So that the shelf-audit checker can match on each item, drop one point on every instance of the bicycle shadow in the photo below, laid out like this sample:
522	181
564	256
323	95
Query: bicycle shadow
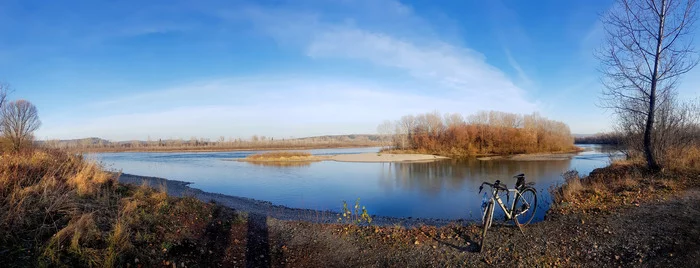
472	246
258	246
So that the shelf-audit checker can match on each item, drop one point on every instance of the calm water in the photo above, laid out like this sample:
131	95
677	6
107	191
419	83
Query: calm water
444	189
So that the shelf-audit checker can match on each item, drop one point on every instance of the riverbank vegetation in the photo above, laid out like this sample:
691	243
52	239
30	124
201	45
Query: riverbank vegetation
623	183
57	209
484	133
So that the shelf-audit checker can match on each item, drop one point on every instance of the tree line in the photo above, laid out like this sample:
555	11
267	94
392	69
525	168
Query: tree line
483	133
612	138
222	143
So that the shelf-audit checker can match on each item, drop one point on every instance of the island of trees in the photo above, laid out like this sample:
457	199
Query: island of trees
483	133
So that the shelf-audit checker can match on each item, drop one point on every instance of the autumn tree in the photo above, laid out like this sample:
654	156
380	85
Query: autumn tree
485	133
19	121
649	46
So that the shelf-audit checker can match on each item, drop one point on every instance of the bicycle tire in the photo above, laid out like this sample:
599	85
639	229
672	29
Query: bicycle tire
486	222
528	194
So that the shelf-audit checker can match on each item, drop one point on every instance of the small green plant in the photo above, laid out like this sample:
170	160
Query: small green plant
355	216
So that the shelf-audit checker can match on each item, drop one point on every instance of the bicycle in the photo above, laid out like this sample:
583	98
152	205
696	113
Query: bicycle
524	204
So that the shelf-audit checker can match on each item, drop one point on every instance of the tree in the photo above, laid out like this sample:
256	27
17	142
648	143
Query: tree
19	121
4	88
385	130
649	46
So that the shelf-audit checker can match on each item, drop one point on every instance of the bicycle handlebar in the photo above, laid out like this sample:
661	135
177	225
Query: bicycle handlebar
496	185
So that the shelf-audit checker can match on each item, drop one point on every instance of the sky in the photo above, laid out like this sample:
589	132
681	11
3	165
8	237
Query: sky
123	70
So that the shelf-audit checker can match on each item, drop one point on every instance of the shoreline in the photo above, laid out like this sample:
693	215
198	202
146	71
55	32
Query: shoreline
266	208
352	158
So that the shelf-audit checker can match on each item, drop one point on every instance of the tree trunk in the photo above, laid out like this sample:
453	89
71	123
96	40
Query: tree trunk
648	146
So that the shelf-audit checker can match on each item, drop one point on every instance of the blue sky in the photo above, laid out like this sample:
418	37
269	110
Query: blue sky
290	68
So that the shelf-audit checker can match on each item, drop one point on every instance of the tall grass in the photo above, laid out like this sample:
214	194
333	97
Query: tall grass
624	182
682	159
57	209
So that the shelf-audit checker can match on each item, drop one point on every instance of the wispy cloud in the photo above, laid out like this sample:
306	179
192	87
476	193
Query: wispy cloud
438	75
451	67
522	76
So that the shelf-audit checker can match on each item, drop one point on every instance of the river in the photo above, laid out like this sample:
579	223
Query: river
445	189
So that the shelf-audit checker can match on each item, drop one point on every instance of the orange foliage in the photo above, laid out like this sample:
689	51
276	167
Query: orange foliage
486	133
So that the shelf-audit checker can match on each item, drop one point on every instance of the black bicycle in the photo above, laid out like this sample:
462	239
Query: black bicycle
521	211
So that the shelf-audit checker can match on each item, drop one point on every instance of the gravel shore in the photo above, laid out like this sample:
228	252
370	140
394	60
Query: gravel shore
181	188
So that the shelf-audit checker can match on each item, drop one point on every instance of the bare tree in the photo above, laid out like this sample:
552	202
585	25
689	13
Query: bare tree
649	46
4	89
385	130
453	119
19	121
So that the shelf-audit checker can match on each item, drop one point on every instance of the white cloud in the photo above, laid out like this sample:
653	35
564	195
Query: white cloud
440	75
522	76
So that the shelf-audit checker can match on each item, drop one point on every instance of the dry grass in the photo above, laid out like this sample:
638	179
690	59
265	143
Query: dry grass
57	209
282	164
279	156
623	183
683	159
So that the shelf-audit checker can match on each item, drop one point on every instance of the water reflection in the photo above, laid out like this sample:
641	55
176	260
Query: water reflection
434	177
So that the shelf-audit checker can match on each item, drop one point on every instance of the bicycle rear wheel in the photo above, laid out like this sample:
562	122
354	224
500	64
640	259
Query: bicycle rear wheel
486	223
526	206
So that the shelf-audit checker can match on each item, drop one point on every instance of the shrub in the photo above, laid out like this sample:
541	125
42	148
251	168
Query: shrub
281	155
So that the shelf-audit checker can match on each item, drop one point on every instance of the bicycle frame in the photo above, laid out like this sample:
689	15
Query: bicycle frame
510	213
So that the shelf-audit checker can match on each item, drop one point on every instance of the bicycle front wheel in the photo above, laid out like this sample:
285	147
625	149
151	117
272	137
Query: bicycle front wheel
486	222
526	206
